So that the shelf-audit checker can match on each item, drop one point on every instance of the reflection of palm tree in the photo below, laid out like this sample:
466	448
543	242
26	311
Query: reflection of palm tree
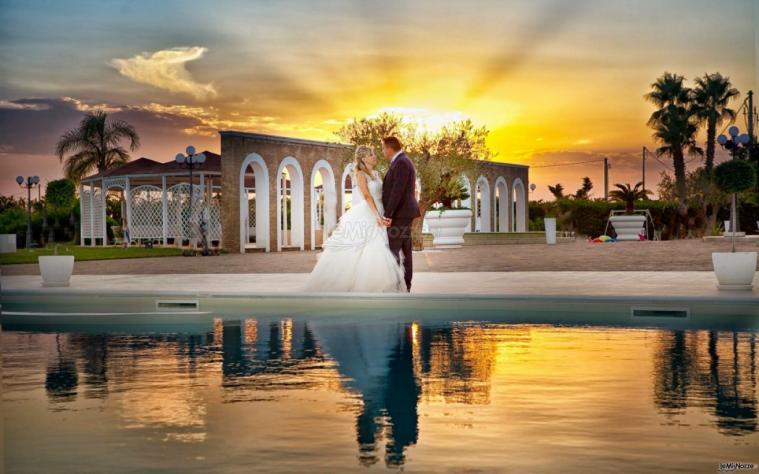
736	412
61	380
723	384
671	370
95	348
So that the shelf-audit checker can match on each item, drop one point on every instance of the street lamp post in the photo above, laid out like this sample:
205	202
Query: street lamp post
28	183
733	144
191	161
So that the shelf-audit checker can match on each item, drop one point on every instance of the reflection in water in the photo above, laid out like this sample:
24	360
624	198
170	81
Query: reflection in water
62	378
719	376
391	368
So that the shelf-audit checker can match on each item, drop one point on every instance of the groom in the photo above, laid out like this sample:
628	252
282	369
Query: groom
399	201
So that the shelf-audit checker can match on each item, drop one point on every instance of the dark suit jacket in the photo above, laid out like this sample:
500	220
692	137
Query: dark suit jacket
399	191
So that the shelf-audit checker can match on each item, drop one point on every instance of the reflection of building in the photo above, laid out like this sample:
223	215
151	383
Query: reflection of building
268	193
715	371
457	363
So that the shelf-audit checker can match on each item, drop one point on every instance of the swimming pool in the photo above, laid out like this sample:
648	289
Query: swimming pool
252	393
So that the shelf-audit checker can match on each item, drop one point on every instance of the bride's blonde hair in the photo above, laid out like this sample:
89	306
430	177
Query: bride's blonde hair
362	151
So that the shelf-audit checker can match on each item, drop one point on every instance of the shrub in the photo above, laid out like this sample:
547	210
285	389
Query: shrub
735	176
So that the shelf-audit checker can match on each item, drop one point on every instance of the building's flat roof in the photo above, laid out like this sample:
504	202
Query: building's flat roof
303	141
279	139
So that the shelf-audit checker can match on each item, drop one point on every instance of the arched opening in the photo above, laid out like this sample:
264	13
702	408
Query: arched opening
482	205
290	205
501	203
323	203
346	191
254	204
115	211
519	213
467	203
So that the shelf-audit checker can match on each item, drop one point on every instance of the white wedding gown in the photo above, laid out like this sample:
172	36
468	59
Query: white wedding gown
356	257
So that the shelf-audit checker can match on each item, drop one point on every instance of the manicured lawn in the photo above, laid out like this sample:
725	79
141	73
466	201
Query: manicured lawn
87	253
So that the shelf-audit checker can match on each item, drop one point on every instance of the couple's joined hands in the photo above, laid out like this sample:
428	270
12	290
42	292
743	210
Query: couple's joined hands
384	221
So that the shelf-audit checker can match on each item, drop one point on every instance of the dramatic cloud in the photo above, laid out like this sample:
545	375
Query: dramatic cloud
22	104
166	70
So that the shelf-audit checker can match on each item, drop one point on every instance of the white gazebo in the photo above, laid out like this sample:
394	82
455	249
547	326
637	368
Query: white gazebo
155	203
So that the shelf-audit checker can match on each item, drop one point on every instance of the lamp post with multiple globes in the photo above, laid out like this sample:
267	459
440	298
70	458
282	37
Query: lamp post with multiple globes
194	160
28	183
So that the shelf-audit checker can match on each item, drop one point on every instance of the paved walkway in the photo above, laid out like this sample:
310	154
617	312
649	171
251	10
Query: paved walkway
683	255
657	284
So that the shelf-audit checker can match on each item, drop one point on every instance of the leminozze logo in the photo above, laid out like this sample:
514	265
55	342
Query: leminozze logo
737	466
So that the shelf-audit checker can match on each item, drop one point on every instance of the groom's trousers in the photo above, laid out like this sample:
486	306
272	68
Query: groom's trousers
399	238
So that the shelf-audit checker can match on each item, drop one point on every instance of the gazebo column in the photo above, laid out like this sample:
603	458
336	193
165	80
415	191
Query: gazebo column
81	221
92	214
164	212
104	200
128	198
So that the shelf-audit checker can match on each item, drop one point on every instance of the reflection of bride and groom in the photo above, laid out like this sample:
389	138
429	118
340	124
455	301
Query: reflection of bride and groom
374	359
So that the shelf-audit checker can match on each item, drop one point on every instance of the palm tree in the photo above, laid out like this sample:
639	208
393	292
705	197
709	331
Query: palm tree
675	124
711	97
584	191
95	144
629	194
557	191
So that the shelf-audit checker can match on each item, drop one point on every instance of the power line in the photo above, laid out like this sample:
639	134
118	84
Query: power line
567	164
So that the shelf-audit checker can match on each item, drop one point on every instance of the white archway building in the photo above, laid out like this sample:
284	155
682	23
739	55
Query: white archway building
323	203
268	193
519	215
482	211
501	205
290	225
254	204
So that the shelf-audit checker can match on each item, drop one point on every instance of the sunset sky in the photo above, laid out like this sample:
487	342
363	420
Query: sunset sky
556	81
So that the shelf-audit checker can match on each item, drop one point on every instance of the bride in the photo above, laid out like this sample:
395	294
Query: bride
356	256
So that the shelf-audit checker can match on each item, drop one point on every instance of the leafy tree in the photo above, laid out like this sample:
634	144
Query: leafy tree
10	202
440	158
735	176
60	196
96	145
629	194
711	97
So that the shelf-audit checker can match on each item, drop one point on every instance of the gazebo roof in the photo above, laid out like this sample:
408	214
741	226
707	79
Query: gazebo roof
146	166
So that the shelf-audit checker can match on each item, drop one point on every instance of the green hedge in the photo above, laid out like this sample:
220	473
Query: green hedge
588	218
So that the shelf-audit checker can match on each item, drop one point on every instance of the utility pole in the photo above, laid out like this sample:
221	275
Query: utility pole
644	169
606	178
751	112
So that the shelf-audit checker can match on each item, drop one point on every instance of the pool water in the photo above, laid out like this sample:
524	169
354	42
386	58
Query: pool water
300	395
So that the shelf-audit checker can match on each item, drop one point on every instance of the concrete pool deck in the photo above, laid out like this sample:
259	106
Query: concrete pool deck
663	299
700	285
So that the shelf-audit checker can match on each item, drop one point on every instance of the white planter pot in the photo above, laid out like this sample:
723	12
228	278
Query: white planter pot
734	271
7	243
56	269
628	227
550	225
448	227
